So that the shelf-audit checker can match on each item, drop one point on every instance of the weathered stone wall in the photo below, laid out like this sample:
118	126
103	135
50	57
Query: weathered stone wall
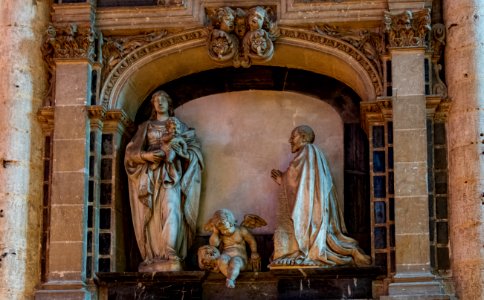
464	56
22	89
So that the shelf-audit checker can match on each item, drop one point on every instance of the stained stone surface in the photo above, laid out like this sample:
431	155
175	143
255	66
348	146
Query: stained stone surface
465	35
21	91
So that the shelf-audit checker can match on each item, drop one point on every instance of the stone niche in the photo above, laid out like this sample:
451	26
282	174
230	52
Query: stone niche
244	126
244	136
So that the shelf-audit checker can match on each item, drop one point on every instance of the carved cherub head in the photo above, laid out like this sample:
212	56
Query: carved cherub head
240	23
172	126
256	18
224	221
207	258
225	19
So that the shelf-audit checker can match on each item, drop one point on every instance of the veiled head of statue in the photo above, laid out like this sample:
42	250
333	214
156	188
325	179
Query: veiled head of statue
158	98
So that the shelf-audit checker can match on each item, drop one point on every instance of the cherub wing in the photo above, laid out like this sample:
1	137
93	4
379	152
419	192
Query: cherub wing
253	221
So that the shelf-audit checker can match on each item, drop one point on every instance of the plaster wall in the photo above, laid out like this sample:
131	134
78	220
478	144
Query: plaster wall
22	88
245	135
464	53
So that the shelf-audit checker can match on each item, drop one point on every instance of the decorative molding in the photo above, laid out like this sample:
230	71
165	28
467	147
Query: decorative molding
241	35
96	115
170	2
115	49
442	110
407	29
141	52
118	120
118	63
45	115
328	41
376	112
370	44
370	114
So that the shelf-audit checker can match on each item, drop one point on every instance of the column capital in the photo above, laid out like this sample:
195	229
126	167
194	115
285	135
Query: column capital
408	29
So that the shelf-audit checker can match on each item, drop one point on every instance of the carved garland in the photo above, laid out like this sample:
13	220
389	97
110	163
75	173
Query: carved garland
123	64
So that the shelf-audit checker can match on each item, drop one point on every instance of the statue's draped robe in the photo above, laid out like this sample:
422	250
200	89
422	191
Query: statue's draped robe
164	197
311	225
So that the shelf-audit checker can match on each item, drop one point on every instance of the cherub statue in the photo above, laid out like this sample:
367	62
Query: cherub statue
231	240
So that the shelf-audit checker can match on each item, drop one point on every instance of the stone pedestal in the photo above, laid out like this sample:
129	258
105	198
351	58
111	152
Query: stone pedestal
294	283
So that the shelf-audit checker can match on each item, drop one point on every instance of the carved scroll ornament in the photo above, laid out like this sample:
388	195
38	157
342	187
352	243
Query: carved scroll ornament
407	29
370	44
437	46
241	35
114	49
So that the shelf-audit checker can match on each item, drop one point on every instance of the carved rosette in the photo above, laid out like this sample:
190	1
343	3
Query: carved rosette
407	29
241	35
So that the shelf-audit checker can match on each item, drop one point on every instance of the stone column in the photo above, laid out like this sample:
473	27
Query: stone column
66	257
464	56
407	42
21	92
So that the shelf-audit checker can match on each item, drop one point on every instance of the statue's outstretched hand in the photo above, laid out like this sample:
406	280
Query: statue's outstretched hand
276	176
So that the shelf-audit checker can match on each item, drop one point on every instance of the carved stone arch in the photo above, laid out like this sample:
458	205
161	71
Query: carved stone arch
178	55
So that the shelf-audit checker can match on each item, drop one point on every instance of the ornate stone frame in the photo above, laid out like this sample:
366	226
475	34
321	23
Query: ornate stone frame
356	70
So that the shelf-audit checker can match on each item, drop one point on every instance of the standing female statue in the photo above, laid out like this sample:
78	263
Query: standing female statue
164	186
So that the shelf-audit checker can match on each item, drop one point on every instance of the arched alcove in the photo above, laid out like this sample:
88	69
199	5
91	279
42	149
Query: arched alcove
244	117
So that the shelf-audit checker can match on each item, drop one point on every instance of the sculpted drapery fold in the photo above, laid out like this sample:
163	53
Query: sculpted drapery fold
311	229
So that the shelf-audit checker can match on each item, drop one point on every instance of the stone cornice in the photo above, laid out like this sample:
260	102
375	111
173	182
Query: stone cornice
118	121
96	115
379	111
